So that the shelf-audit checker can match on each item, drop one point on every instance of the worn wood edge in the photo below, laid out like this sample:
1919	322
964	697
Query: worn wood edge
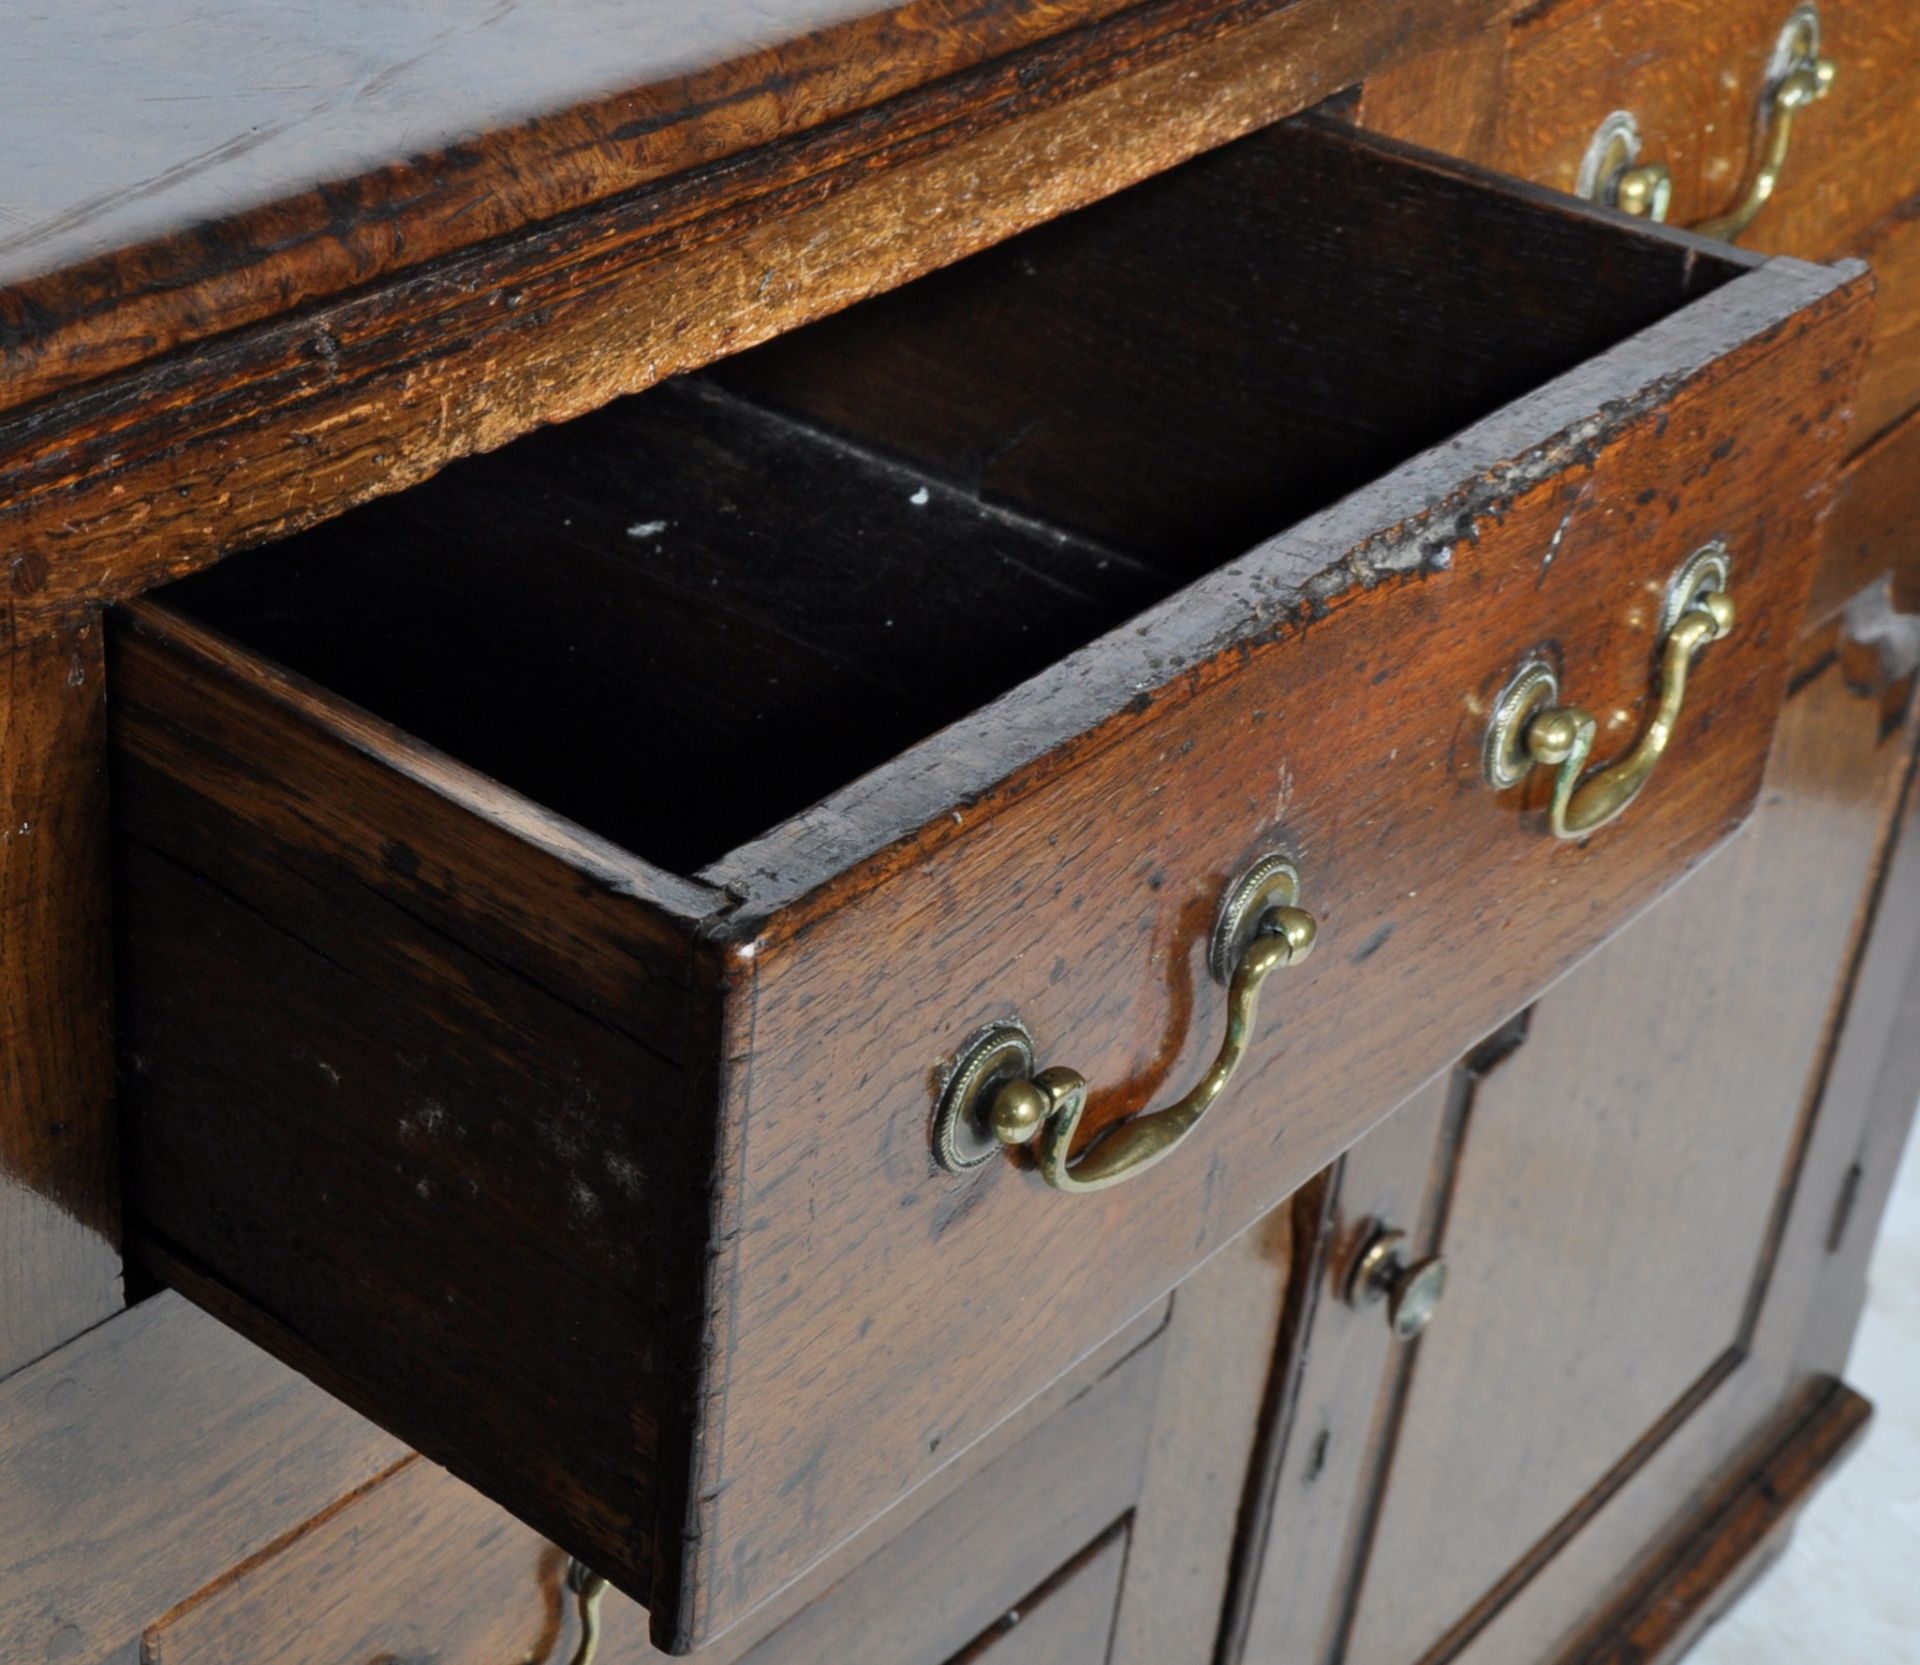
1698	1572
1393	530
597	860
255	434
303	247
1313	1211
693	1409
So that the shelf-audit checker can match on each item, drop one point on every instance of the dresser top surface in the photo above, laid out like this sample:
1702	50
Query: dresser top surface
194	148
127	122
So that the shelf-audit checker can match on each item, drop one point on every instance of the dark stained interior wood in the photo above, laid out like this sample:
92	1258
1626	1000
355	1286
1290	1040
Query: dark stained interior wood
540	1201
1183	370
688	617
546	1151
59	1163
676	621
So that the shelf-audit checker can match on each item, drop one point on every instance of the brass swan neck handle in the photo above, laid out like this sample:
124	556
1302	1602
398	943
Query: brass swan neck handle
995	1097
1806	83
1797	77
1530	728
588	1588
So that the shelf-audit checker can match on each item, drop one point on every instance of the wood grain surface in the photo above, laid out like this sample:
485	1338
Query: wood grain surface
1344	1376
877	976
1736	1537
1217	1397
59	1163
1694	74
419	1566
1890	387
237	164
315	264
1067	1621
256	432
1197	369
146	1459
1488	1405
1827	817
516	1169
1692	443
1875	527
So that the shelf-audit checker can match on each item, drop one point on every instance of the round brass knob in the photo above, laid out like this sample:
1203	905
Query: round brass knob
1411	1292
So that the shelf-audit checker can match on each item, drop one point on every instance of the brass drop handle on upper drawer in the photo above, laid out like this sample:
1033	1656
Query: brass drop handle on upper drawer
1797	77
995	1097
1531	727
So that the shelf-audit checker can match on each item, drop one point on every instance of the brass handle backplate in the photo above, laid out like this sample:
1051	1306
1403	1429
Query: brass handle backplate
1530	727
995	1097
1797	76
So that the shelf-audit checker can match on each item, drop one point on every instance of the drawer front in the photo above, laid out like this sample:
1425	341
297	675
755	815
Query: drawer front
1067	1621
1695	80
1082	907
420	1566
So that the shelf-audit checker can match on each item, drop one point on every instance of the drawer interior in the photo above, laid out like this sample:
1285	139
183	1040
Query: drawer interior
687	617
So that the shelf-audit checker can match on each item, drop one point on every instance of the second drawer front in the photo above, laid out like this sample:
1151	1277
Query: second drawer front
419	1566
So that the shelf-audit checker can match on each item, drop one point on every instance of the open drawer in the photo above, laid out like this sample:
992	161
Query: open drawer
559	903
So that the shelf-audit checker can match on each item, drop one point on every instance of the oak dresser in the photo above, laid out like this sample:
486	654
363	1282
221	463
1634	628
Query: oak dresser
1034	833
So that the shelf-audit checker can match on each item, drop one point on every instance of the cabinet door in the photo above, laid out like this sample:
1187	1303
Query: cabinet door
1611	1184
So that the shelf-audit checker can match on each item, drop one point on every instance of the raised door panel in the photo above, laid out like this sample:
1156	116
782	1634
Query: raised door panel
1613	1203
1618	1188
